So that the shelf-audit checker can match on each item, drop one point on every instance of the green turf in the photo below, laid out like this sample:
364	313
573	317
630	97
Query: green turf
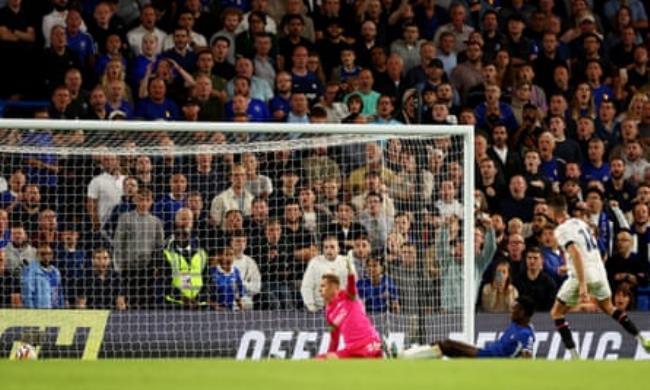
331	375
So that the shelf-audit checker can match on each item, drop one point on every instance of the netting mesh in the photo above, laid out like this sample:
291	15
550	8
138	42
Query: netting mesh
168	225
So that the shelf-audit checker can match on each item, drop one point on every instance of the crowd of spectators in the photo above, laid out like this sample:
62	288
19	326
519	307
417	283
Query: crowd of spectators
558	91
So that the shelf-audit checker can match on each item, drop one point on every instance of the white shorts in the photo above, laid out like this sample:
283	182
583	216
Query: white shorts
569	291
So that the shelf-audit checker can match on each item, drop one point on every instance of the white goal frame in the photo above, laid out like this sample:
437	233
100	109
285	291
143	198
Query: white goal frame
467	132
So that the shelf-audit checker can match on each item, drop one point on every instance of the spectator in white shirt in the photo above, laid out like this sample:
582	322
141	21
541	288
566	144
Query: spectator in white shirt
330	262
104	192
147	25
248	269
234	198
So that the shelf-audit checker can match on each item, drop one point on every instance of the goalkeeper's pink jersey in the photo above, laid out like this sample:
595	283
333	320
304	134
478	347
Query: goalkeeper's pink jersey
347	317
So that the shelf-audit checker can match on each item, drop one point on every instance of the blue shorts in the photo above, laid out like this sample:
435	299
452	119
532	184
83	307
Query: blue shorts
486	353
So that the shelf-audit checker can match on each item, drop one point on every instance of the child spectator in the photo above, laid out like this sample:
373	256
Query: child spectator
226	286
378	290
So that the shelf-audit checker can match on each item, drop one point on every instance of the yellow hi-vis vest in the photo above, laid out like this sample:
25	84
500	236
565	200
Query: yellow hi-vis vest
186	278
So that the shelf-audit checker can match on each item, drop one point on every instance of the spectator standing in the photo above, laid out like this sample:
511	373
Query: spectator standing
42	287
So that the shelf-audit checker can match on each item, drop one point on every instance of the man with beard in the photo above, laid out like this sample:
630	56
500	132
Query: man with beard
617	187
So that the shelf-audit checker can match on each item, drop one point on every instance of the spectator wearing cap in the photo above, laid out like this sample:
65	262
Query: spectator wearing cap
409	46
521	48
456	26
435	75
147	25
586	48
468	74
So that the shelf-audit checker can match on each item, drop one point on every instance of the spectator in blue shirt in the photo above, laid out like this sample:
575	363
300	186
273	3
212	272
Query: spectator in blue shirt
181	52
148	58
595	168
493	107
72	261
41	169
5	232
302	79
42	286
243	102
279	104
378	290
167	206
79	42
226	286
157	106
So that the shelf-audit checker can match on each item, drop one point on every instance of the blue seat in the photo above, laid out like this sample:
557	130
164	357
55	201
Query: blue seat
643	298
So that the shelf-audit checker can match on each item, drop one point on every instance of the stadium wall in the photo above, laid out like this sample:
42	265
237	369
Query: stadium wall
258	335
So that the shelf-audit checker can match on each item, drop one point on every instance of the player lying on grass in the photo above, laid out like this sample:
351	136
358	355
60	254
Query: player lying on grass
347	318
516	341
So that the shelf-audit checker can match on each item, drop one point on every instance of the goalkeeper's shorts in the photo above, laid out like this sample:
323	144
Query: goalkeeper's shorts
364	350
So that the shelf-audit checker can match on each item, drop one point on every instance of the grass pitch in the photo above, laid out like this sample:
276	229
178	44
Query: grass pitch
331	375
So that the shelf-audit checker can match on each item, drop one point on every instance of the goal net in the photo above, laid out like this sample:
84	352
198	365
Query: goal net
210	239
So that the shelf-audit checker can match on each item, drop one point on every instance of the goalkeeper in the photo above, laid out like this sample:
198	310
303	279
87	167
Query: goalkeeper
516	341
347	318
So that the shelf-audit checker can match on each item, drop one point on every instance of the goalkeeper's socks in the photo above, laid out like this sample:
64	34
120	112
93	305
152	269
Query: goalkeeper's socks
574	354
625	321
563	328
423	352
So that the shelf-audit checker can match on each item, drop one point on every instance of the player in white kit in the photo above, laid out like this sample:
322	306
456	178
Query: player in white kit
587	276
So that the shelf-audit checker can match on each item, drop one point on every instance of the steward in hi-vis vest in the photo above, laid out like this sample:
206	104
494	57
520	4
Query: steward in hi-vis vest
184	267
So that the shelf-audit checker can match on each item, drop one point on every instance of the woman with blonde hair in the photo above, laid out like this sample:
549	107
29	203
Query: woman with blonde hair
635	108
115	70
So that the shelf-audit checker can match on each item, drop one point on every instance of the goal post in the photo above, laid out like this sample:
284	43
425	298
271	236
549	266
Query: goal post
188	215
